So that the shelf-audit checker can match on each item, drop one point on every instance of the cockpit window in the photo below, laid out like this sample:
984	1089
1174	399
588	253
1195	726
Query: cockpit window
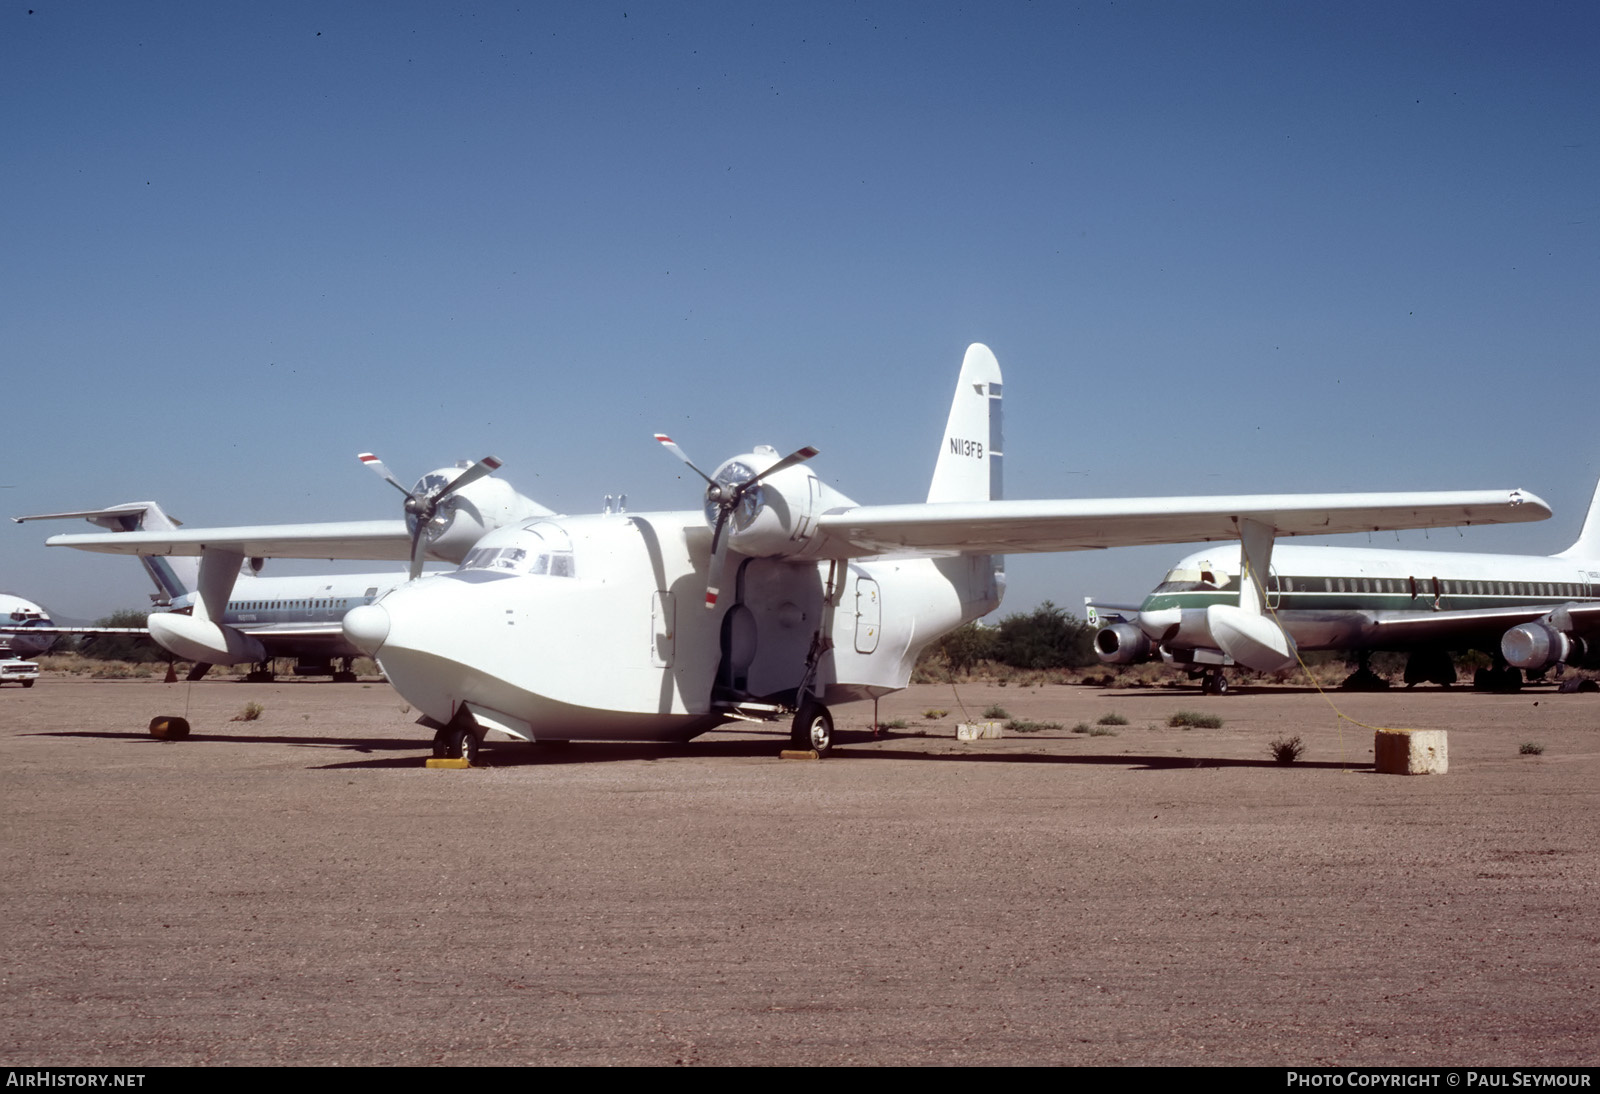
550	554
1183	580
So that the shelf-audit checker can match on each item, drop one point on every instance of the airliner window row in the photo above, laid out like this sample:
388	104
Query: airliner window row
293	605
1432	586
1412	586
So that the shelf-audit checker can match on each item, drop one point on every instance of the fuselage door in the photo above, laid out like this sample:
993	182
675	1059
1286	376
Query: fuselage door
869	615
661	630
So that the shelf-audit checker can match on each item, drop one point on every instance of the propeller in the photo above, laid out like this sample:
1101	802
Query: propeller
423	505
727	493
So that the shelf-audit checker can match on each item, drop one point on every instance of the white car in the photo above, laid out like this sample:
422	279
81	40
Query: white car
22	672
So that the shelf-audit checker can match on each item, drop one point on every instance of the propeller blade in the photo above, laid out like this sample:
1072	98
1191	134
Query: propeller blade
483	467
369	460
672	446
797	456
719	556
419	544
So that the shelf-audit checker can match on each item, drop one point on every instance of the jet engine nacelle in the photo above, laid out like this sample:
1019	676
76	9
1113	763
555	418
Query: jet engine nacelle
1541	645
778	516
1121	644
476	509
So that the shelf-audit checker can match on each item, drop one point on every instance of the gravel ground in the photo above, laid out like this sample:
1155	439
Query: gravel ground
298	889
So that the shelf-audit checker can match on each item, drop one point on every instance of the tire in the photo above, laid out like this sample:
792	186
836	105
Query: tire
465	744
169	729
812	729
1219	686
27	683
441	744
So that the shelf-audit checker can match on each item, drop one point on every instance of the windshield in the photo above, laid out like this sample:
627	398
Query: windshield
541	548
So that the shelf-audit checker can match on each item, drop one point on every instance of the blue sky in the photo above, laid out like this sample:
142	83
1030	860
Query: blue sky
1217	248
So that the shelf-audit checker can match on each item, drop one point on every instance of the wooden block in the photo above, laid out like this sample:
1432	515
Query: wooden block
1411	751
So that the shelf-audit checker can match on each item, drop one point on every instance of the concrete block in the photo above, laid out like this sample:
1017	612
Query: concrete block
1411	752
979	731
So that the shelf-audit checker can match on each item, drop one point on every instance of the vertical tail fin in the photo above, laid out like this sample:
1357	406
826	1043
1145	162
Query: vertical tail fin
970	453
1588	545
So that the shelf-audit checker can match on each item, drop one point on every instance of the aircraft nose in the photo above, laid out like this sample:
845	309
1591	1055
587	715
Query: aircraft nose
367	628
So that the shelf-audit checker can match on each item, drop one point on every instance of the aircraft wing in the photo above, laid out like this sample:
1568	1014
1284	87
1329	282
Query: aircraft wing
1582	618
1022	527
349	539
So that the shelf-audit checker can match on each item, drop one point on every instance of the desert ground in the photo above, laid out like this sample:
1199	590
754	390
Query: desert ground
299	889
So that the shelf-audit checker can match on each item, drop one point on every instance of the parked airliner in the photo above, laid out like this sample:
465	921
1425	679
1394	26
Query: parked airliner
1532	613
20	617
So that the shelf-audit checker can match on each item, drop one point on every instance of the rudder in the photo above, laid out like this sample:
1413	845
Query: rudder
971	450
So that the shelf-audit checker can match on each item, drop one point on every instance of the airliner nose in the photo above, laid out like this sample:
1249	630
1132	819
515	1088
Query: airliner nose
367	628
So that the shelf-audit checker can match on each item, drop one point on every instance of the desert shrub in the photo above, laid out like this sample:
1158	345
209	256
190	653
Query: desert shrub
250	713
1112	720
1045	638
1530	748
1022	725
996	711
1189	719
964	647
1286	750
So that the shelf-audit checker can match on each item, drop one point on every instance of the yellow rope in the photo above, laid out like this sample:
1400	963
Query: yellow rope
1266	602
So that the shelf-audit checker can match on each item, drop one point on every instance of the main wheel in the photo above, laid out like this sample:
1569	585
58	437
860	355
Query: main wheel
465	744
1219	684
441	744
813	729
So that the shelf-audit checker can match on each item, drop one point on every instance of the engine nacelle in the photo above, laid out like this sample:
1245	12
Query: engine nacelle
1121	644
1539	645
778	516
467	515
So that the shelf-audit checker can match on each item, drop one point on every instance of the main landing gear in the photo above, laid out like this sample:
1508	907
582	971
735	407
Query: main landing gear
812	728
458	741
1213	682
